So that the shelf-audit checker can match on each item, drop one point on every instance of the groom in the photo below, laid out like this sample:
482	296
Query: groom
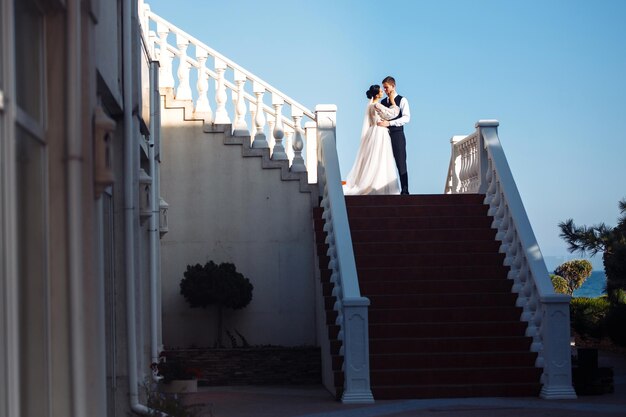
396	130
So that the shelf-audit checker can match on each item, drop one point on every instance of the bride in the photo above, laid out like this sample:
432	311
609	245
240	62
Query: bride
374	171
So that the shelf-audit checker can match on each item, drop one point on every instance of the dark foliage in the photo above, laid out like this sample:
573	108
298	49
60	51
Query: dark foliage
602	238
214	284
575	273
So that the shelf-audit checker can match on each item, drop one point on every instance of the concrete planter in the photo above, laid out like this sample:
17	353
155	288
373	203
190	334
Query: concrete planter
179	386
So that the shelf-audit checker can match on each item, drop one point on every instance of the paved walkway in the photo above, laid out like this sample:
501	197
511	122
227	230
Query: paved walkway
316	402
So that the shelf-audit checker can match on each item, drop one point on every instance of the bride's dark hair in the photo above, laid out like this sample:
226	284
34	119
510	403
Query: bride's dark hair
373	91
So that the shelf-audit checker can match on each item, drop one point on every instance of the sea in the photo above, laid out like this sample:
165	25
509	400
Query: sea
594	286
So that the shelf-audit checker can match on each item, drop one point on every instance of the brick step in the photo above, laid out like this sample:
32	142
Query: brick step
414	200
423	260
408	286
416	260
397	248
424	222
451	344
437	329
417	211
432	273
434	234
442	301
490	375
456	391
453	360
441	315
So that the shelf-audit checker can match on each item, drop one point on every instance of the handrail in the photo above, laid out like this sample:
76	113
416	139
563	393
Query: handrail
351	307
484	169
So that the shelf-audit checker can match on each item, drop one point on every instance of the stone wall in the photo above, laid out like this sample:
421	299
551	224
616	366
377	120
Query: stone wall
253	366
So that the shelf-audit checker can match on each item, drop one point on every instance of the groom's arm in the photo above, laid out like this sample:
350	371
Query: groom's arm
406	114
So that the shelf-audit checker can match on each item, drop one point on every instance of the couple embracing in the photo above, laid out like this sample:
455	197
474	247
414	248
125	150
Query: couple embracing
383	145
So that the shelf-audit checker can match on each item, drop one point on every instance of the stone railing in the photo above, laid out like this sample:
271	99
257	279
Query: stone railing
478	165
185	61
351	307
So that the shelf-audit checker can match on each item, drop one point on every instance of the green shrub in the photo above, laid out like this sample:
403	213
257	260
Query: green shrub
616	323
559	284
588	315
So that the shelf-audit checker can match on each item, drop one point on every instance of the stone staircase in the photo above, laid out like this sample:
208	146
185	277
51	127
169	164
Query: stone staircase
188	114
442	319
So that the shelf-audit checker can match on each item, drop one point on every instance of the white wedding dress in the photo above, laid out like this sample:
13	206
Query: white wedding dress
374	170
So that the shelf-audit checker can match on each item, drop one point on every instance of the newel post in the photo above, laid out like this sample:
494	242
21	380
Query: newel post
557	366
483	160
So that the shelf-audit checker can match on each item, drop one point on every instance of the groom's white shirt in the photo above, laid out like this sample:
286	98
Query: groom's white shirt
406	114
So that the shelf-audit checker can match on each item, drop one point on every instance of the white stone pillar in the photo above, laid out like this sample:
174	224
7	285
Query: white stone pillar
310	133
203	108
278	132
259	118
240	128
297	164
166	78
555	332
183	92
221	115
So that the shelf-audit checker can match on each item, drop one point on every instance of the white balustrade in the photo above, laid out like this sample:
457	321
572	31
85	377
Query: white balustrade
478	164
351	307
246	105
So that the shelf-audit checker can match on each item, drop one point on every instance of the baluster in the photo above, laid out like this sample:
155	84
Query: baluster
271	140
221	116
166	78
289	144
252	122
240	128
298	143
203	108
279	132
183	92
259	120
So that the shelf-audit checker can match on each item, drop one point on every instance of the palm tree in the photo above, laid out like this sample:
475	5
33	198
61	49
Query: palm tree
611	241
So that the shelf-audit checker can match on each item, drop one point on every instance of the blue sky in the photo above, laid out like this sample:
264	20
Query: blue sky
553	73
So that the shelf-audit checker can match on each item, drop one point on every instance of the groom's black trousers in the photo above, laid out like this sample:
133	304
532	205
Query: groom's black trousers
398	146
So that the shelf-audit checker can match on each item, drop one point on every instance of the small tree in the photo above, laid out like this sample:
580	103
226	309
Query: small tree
220	285
575	273
601	238
559	284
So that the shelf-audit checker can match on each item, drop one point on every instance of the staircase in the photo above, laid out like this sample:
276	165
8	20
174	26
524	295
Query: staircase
442	319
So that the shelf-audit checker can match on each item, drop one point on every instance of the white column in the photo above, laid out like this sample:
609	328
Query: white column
271	141
278	132
166	78
555	331
252	122
259	118
289	144
202	105
310	133
297	164
183	92
221	116
240	128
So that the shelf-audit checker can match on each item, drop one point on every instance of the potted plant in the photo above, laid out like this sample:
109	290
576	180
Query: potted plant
220	285
174	376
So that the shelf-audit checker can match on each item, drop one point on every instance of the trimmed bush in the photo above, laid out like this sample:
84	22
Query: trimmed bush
559	284
588	315
575	273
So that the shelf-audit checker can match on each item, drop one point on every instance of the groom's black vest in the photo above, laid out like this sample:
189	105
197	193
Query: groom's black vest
386	103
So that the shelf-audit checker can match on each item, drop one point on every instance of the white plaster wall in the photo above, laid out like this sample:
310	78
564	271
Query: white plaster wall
226	208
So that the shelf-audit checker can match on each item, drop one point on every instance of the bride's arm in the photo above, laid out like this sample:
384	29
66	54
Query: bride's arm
387	113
